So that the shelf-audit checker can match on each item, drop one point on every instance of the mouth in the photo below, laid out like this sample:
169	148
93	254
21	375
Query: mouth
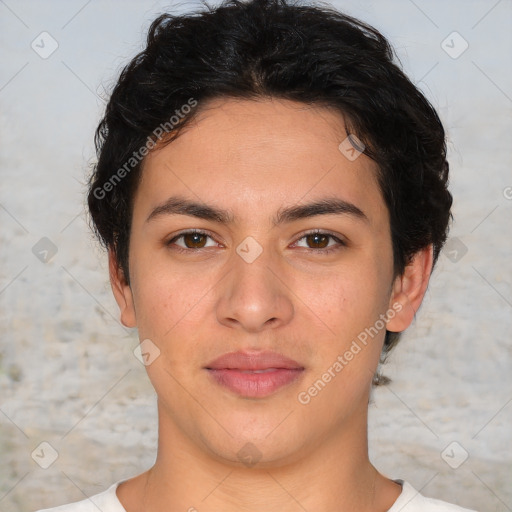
254	374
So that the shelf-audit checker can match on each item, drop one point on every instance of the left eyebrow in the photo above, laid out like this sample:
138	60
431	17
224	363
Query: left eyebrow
327	206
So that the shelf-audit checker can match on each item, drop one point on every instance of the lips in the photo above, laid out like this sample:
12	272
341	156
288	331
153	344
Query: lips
254	374
252	361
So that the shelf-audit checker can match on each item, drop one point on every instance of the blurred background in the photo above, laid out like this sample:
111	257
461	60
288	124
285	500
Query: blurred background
77	411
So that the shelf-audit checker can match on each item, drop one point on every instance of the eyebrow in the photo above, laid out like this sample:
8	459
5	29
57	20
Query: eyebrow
177	205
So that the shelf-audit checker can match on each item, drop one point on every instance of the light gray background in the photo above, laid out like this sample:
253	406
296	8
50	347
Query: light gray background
68	375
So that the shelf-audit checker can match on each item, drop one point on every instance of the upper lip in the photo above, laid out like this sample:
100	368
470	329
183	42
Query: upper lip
246	360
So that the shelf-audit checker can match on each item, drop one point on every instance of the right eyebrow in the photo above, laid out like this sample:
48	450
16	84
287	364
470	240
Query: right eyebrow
177	205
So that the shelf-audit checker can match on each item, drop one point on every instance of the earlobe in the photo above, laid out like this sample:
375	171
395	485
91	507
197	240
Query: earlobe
122	291
409	290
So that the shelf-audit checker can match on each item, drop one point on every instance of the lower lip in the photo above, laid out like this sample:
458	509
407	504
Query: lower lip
255	385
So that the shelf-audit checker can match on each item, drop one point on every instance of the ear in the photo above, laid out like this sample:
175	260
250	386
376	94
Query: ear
122	291
409	290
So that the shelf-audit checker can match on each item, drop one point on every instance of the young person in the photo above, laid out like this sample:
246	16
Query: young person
272	192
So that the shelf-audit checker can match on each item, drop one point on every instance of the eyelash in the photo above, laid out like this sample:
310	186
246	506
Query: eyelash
329	250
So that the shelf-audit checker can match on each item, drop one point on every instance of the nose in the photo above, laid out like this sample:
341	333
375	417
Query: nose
252	296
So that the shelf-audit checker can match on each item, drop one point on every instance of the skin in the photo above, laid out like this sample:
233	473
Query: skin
254	158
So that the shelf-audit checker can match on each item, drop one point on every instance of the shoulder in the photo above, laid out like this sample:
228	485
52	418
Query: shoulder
105	501
412	501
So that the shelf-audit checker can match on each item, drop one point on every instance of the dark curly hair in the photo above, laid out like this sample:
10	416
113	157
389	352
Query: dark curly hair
275	48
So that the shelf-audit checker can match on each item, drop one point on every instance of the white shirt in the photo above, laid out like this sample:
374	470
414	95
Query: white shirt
409	500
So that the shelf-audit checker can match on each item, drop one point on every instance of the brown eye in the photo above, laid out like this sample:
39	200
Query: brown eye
320	242
191	240
317	240
194	240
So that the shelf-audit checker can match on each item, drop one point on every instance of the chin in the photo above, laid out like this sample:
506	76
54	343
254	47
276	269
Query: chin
259	442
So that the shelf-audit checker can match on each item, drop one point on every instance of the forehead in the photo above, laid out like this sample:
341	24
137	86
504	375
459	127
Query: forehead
245	154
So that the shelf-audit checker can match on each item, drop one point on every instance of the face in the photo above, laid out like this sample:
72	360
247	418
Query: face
291	255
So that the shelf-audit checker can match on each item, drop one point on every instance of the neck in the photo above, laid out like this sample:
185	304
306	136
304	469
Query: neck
334	475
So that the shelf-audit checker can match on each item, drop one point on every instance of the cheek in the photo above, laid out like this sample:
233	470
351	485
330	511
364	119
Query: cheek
166	305
172	313
165	294
347	300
